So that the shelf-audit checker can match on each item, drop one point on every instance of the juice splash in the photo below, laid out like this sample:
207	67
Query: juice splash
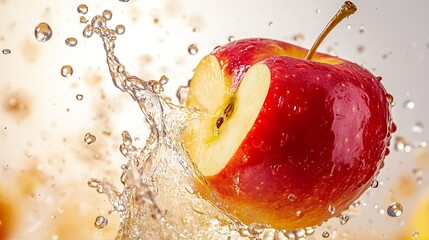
158	199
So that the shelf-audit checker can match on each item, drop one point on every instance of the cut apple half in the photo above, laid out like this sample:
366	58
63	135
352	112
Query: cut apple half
213	139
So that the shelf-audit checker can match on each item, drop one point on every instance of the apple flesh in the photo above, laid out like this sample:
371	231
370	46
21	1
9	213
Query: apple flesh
286	141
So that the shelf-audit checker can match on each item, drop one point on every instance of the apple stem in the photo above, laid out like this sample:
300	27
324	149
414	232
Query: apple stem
347	9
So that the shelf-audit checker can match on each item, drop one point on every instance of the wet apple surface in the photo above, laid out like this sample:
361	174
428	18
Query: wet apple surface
313	139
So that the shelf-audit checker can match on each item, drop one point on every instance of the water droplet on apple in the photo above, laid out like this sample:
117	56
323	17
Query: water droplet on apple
331	209
6	51
395	210
89	138
374	183
192	49
409	104
325	234
71	41
390	99
291	197
101	222
415	234
67	71
82	9
219	122
43	32
417	127
344	219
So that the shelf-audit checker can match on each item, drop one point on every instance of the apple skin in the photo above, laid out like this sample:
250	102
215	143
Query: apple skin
317	143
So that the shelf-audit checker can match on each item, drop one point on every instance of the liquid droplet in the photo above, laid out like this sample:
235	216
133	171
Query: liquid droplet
124	0
331	209
82	9
298	38
101	222
415	234
361	29
344	219
395	210
120	29
325	234
83	19
98	21
417	127
374	183
94	183
361	49
291	197
349	26
192	49
6	51
317	11
401	144
270	24
43	32
79	97
88	31
107	14
67	71
231	38
71	41
408	104
89	138
256	229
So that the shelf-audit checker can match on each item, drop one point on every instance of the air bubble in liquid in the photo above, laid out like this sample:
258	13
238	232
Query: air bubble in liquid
43	32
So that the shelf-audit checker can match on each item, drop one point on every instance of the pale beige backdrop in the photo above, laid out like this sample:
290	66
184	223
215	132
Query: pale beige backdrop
45	164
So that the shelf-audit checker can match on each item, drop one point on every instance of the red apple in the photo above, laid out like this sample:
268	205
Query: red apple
286	141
